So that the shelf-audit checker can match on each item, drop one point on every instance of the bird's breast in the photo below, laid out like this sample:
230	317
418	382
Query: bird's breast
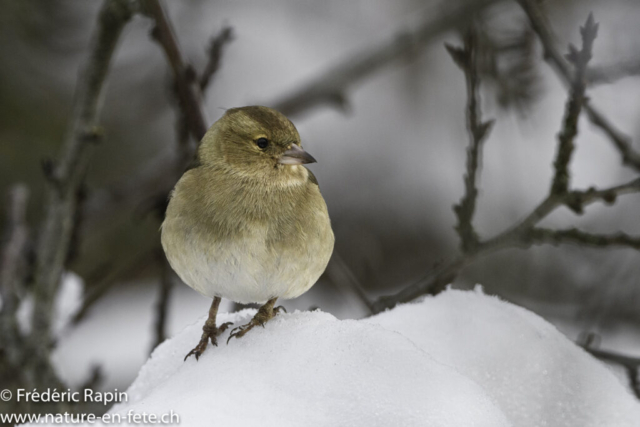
251	247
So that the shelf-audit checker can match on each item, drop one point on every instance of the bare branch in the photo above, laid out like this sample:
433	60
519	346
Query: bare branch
575	236
578	200
539	23
632	374
68	174
579	59
346	281
162	306
12	265
216	48
431	284
184	75
525	234
331	87
466	59
156	179
148	189
522	235
630	157
152	184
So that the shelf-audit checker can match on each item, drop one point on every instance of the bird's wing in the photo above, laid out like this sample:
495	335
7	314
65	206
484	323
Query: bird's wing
312	178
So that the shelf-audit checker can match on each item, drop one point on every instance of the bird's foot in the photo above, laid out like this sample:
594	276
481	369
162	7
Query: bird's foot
278	309
264	314
210	333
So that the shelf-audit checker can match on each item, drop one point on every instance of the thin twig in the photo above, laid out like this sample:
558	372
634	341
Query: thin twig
466	59
346	280
162	306
433	283
575	236
539	23
578	200
634	382
630	157
68	173
579	59
216	48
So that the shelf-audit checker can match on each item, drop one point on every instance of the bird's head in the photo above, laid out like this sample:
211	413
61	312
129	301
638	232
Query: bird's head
255	141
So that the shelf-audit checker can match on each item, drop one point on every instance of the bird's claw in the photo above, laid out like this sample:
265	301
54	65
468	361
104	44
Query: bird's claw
196	352
221	330
241	330
261	318
209	334
224	327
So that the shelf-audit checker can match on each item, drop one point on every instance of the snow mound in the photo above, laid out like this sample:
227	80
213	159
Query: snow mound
308	369
458	359
533	372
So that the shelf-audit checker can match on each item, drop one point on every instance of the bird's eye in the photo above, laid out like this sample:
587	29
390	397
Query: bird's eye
262	143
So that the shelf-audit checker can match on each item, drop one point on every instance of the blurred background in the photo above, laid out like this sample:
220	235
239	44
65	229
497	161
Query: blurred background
390	163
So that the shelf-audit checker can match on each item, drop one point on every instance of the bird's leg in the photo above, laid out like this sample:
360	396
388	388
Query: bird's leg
264	314
210	331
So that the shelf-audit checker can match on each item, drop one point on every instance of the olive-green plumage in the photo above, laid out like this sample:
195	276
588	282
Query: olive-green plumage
248	222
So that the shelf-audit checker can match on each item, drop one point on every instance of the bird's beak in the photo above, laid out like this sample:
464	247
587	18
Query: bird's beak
295	156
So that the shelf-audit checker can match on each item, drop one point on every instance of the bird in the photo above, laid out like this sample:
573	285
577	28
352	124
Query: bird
246	221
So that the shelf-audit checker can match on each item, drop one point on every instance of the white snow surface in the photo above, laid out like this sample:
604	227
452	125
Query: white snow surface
68	301
458	359
534	374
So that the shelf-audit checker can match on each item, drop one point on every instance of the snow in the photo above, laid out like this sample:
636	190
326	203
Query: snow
458	359
98	340
68	301
308	368
533	372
